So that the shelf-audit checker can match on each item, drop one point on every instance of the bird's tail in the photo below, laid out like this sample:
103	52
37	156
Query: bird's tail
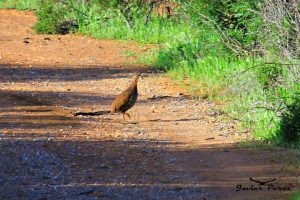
102	112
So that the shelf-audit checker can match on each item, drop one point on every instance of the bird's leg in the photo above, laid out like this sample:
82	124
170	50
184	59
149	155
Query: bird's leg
127	115
123	117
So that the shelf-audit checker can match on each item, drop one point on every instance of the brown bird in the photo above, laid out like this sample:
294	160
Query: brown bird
126	99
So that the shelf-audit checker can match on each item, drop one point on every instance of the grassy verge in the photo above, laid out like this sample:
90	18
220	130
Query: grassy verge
237	51
19	4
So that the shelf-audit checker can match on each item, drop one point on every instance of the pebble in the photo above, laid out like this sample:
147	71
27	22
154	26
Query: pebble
153	96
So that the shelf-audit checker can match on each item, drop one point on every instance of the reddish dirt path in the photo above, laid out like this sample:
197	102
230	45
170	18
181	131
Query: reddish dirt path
172	148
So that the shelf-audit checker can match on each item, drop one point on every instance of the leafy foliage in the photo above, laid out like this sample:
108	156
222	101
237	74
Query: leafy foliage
49	15
269	75
289	131
237	22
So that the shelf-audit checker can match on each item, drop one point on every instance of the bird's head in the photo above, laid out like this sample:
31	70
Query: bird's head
135	78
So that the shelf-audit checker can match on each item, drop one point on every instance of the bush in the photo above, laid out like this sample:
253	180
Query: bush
237	22
50	15
281	31
269	75
289	131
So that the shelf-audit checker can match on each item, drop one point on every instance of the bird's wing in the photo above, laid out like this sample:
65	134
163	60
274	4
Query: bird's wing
121	99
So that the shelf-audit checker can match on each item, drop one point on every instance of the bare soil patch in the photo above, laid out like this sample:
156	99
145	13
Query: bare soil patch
174	147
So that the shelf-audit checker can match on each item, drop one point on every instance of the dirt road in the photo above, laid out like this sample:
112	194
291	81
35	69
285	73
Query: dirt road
174	147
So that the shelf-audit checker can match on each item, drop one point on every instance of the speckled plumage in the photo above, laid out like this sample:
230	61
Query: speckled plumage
126	99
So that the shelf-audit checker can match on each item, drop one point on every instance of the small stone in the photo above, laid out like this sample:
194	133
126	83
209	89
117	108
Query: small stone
103	166
153	96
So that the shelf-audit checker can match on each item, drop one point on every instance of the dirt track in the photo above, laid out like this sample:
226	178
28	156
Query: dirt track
172	148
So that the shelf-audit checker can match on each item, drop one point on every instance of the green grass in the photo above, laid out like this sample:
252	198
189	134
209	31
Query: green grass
294	196
19	4
256	97
113	26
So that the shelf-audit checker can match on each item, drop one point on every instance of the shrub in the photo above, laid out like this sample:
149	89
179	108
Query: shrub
237	22
289	130
50	14
269	75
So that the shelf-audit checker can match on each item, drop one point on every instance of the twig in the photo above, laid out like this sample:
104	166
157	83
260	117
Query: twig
224	36
73	7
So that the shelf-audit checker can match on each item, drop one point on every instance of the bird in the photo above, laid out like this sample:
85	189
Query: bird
126	99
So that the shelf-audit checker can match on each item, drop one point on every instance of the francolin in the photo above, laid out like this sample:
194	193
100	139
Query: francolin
126	99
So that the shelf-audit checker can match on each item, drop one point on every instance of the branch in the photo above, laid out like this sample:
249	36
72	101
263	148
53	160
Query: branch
224	36
73	7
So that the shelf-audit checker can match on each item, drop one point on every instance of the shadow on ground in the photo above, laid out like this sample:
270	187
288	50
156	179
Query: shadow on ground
14	73
46	152
132	169
38	74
